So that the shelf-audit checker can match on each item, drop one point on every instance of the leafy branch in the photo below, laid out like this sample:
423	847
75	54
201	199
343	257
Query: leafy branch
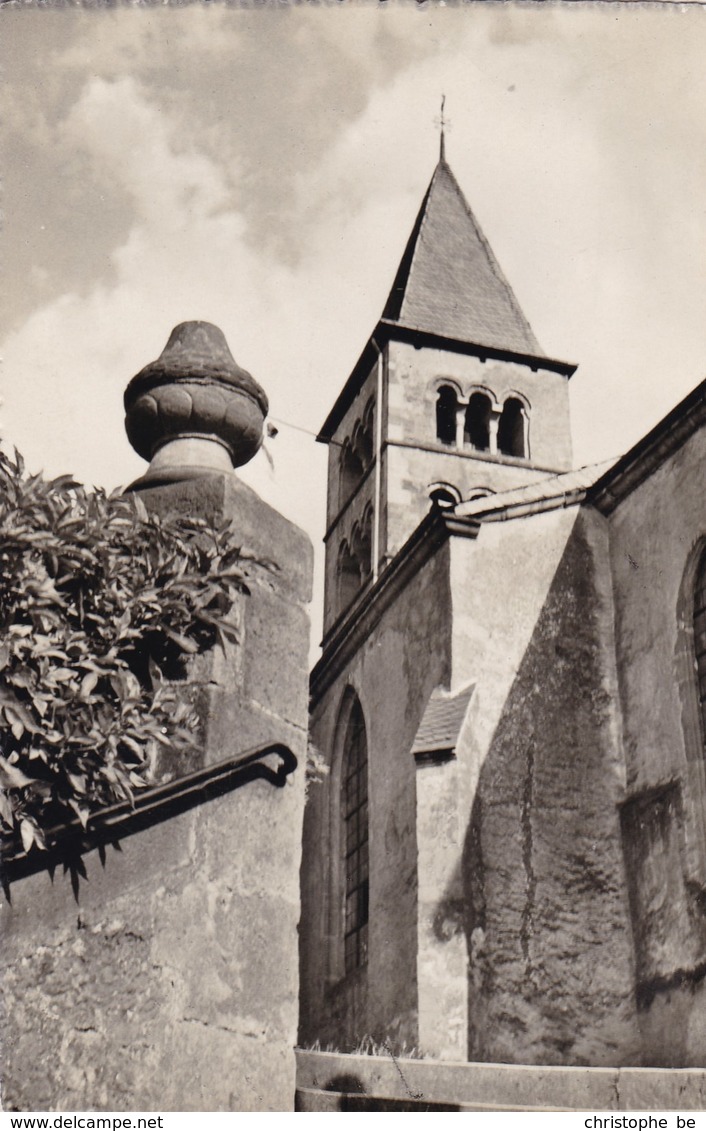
100	605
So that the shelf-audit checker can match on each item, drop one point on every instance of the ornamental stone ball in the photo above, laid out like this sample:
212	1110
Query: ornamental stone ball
194	411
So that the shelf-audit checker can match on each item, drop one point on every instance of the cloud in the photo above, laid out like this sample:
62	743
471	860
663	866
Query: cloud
263	170
133	142
185	257
148	41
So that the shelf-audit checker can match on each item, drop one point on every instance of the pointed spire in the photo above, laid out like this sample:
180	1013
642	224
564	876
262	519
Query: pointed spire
449	282
442	124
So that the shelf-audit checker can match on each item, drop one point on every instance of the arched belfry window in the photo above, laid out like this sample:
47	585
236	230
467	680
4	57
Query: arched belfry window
369	419
443	495
476	430
351	472
362	543
511	429
354	811
700	639
446	403
348	576
363	442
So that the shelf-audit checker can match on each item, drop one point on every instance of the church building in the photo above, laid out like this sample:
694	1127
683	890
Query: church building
505	859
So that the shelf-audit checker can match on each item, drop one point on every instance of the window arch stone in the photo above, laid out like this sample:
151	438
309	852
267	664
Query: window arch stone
444	495
443	382
516	395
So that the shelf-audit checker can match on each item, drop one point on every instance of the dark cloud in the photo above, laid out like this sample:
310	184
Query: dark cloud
260	93
262	169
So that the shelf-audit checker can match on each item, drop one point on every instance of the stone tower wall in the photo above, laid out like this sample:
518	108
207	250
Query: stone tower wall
415	459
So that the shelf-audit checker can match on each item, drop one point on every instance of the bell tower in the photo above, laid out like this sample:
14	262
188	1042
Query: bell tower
451	397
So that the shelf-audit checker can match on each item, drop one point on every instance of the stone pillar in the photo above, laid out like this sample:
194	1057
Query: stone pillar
174	984
493	425
460	424
442	952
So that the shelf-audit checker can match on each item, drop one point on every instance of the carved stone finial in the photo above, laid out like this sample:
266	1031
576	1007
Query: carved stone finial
194	411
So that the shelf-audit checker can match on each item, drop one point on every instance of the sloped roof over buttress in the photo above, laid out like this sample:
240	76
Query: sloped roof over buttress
439	730
449	282
565	489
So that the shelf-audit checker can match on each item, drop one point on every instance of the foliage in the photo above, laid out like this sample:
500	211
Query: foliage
317	764
369	1046
100	604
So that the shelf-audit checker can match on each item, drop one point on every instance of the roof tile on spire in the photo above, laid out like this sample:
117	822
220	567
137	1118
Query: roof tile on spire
450	283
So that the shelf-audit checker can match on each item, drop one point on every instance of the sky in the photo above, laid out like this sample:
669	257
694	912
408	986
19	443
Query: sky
262	168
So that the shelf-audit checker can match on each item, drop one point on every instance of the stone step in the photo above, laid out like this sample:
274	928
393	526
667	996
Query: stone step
494	1087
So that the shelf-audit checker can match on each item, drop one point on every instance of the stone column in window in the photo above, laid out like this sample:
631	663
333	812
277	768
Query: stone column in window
525	434
460	422
493	422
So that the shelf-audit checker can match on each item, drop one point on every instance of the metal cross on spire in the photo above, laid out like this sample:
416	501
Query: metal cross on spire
443	123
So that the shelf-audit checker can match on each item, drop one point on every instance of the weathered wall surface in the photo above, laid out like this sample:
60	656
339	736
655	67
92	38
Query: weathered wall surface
173	984
515	869
653	532
393	673
657	533
442	952
546	909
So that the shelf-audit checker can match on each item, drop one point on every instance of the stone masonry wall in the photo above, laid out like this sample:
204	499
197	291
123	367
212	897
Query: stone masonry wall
172	983
393	674
658	533
547	920
416	459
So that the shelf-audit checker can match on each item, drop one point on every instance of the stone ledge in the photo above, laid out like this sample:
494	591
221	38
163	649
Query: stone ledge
492	1087
309	1099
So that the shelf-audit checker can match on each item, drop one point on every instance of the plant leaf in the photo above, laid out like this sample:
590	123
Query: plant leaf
27	834
11	777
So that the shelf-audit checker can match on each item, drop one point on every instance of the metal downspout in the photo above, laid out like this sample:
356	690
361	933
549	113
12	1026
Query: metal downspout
378	462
